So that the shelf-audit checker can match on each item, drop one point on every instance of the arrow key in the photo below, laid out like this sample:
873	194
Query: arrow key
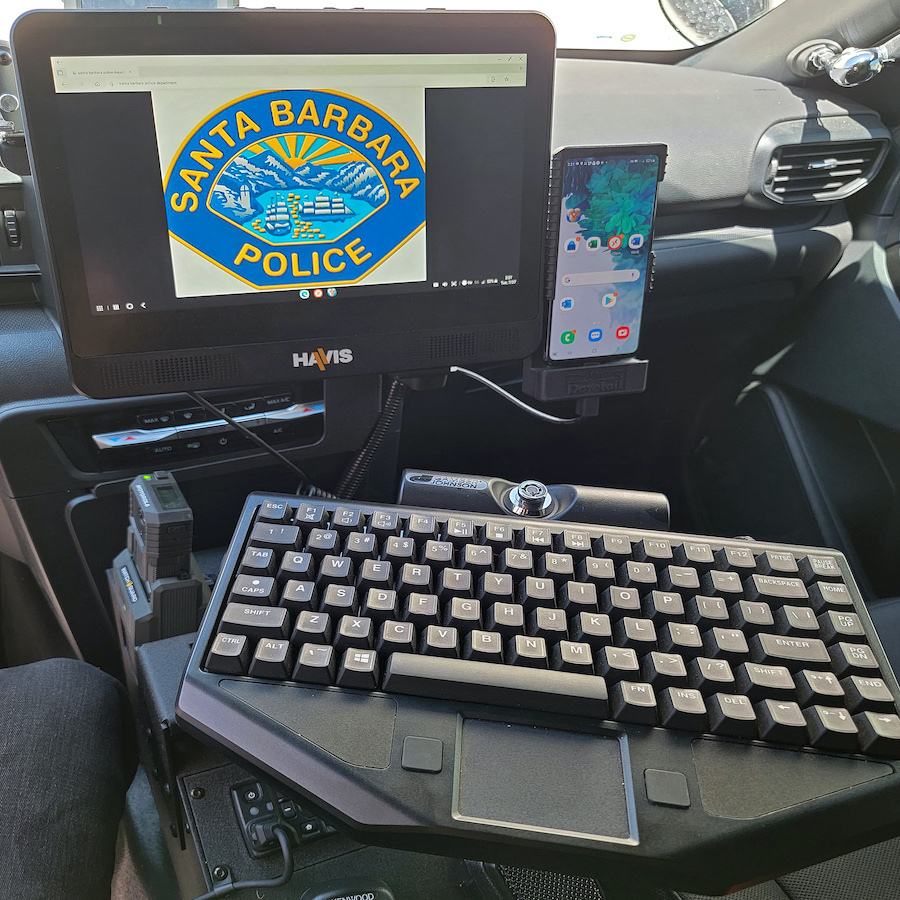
781	721
879	733
831	728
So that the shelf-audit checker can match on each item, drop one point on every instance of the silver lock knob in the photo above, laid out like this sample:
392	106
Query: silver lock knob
530	498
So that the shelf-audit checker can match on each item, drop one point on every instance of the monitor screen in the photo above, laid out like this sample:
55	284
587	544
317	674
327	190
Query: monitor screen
373	199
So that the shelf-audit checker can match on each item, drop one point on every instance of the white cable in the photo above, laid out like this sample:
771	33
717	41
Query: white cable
556	420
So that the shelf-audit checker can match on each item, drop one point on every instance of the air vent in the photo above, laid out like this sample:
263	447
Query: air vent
818	173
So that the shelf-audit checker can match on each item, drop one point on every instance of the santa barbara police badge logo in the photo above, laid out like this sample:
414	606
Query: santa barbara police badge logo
288	189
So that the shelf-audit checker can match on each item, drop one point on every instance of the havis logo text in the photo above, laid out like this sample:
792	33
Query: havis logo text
322	358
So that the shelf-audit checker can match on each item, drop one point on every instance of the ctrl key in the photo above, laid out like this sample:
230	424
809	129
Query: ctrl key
229	655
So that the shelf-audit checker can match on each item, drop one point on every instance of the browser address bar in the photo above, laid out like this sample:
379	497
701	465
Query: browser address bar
614	276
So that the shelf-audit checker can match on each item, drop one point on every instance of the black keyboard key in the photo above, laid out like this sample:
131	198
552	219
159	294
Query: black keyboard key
396	637
614	546
681	638
709	676
297	596
414	578
421	526
380	606
506	618
879	733
399	550
255	588
774	589
826	595
438	554
384	524
255	621
639	634
832	728
440	640
680	579
375	573
732	714
813	568
726	643
818	688
534	592
272	659
618	601
528	651
460	532
474	682
777	562
760	682
664	670
556	567
793	652
751	617
638	575
258	561
572	656
360	547
359	669
663	606
334	570
346	520
847	659
781	721
498	536
599	572
339	599
277	537
576	543
296	566
655	550
549	624
320	542
594	629
476	559
311	628
840	626
463	614
866	693
632	701
722	584
518	564
315	664
695	554
229	654
483	646
422	610
683	708
454	583
736	559
494	586
537	538
797	620
576	597
706	612
278	511
616	663
311	515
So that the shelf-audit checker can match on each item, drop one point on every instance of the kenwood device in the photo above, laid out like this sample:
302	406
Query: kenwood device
226	217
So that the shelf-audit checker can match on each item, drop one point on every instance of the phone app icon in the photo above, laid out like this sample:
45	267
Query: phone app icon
609	299
635	242
622	332
566	303
614	241
567	337
304	294
593	243
594	335
571	247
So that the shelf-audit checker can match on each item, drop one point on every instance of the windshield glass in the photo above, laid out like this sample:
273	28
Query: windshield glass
601	25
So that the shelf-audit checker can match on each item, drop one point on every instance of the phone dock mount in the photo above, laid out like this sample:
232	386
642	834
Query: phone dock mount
585	384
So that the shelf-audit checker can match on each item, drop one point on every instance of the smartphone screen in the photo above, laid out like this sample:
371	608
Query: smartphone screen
603	259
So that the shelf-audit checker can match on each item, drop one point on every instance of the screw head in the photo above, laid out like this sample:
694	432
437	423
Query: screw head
198	793
220	873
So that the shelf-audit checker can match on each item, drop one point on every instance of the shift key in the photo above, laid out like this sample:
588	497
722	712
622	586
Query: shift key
793	652
772	588
255	621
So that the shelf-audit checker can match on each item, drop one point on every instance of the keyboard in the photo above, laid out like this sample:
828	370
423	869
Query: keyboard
601	696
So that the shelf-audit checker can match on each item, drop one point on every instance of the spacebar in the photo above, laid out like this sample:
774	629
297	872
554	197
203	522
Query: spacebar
500	685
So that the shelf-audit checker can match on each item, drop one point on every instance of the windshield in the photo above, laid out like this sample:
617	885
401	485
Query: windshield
601	25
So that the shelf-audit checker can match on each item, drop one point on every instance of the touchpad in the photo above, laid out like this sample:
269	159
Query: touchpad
543	779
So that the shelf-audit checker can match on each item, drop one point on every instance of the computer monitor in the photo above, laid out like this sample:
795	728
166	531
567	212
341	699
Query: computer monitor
240	197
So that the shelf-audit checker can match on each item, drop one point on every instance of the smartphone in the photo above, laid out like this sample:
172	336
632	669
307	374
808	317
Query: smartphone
600	234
